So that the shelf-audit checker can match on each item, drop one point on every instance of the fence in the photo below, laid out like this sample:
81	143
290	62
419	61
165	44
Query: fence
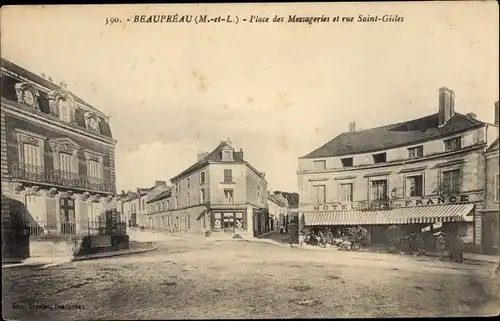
39	228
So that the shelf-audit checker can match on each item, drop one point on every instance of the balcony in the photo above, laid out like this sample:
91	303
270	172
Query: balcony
375	205
39	175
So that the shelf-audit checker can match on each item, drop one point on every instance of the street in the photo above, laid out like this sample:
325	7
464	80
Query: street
189	278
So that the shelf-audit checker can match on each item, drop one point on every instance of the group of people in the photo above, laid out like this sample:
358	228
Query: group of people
451	246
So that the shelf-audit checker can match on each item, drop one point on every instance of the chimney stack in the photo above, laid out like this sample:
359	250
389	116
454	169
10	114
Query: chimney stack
352	127
446	105
158	183
228	142
201	156
471	115
496	113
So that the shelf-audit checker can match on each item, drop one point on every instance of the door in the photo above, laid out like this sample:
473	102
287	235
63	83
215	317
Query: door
67	216
229	222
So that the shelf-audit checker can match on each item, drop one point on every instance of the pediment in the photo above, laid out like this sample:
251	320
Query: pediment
64	144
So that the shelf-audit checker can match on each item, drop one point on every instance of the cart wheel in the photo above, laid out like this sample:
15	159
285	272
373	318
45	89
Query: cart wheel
343	247
356	246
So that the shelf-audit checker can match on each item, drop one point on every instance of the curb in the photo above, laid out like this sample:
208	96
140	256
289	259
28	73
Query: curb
23	265
111	254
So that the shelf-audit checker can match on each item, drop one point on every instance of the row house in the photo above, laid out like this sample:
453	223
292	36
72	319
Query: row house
278	208
221	192
57	156
490	213
426	173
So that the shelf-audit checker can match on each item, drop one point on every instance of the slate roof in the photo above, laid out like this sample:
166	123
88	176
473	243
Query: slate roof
165	194
214	156
40	80
395	135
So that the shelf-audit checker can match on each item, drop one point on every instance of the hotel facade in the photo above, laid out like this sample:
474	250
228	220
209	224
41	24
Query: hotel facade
57	158
221	192
425	173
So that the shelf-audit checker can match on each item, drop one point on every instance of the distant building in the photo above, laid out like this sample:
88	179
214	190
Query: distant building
422	173
278	208
58	156
134	204
221	191
490	214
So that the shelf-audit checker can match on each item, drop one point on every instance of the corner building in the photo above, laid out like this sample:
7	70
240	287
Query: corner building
221	191
57	159
425	174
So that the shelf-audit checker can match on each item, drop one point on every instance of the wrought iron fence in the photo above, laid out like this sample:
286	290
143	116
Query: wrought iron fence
41	228
39	174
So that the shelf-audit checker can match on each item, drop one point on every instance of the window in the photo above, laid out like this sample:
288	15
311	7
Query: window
202	178
187	199
176	202
227	155
414	186
168	204
187	222
346	192
67	216
379	190
228	175
347	162
453	143
202	195
64	110
143	206
31	155
319	165
94	169
228	195
379	158
162	206
319	194
65	162
451	181
415	152
497	191
188	182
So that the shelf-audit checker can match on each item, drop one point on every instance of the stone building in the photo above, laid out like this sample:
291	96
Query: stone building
278	209
57	157
490	213
422	173
220	191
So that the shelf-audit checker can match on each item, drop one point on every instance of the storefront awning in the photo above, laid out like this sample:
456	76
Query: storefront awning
403	215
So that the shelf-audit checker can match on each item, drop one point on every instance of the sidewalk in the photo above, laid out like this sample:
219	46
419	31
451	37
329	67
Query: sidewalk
134	248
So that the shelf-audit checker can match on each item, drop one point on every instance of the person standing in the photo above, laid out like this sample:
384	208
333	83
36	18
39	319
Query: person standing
441	245
457	249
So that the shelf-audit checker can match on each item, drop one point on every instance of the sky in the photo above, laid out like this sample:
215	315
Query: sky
278	91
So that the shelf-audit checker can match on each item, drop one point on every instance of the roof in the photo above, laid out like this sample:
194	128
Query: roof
395	135
278	199
494	146
214	156
165	194
40	80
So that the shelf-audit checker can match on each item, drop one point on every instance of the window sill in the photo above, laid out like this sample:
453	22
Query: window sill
225	182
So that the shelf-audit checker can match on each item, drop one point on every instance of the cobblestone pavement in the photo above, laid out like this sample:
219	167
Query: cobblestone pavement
208	278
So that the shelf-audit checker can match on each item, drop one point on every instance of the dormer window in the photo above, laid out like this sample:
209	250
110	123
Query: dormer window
453	144
319	165
62	104
227	154
92	122
380	158
347	162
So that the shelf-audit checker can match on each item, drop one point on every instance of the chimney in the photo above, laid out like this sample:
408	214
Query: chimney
202	155
352	127
241	153
496	113
471	115
446	105
263	175
158	183
43	75
228	142
50	79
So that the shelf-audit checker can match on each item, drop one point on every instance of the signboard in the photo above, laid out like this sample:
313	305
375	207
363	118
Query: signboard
425	201
100	241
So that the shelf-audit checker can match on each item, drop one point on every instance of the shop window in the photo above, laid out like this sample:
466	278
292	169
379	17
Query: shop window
228	220
218	220
414	186
239	221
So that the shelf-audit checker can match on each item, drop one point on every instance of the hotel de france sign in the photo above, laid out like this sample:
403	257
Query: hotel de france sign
426	201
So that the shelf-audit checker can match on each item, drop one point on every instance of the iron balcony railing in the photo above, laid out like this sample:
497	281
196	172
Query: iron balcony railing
38	174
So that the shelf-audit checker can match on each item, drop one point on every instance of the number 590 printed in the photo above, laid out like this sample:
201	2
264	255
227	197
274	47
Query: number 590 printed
110	21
